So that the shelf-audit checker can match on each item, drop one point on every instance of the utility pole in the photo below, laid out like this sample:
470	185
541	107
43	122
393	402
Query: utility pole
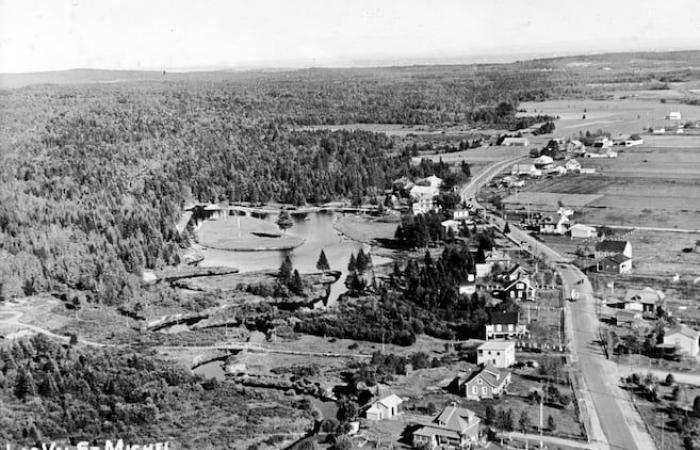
541	403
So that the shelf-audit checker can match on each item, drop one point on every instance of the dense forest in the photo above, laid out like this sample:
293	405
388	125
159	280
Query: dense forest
93	395
422	298
93	178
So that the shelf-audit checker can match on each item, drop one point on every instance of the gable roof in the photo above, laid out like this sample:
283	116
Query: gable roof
617	259
525	280
390	401
496	345
611	246
683	330
490	375
455	418
504	318
646	295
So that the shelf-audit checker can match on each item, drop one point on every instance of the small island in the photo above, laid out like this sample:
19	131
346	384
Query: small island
243	233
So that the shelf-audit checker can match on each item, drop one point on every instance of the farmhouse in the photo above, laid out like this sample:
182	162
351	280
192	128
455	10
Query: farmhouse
504	326
515	142
544	162
602	142
650	299
580	231
384	408
515	273
576	147
520	289
489	382
611	248
453	428
615	264
674	115
497	353
684	338
525	169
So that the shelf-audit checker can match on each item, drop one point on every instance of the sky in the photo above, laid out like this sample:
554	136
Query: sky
41	35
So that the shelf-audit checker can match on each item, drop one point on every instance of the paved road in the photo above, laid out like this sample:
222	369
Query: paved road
534	439
613	421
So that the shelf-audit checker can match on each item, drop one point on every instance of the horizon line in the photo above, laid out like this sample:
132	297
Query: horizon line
369	63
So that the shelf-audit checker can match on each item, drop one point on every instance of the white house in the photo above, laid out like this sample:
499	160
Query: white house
674	115
658	131
684	338
450	224
423	198
384	408
580	231
515	142
497	353
572	165
544	162
525	169
460	214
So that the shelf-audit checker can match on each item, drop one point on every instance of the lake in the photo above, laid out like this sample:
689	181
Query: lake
316	228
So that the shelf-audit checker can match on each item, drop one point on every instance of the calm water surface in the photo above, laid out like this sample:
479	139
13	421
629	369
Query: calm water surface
318	232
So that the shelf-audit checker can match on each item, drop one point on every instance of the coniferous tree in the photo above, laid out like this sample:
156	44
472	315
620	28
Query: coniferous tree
322	263
284	221
285	273
352	263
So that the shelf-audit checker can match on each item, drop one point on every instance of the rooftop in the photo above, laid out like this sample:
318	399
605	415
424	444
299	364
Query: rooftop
683	330
611	246
496	345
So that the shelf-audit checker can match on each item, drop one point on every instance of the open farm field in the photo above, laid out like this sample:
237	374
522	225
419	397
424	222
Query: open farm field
549	200
619	116
481	154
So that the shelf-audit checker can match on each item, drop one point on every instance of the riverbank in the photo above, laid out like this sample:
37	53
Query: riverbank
367	229
245	234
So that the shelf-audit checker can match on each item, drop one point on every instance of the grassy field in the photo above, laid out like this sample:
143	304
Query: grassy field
366	228
619	116
655	415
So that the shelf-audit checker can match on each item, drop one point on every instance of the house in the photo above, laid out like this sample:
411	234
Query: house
504	326
450	224
602	142
467	289
576	147
684	338
544	162
580	231
520	289
615	264
460	214
453	428
515	273
525	169
384	408
489	382
572	165
658	131
650	299
557	170
627	317
515	142
611	247
497	353
493	257
587	170
602	152
423	198
674	115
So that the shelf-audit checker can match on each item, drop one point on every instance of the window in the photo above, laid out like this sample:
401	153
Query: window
474	389
484	390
